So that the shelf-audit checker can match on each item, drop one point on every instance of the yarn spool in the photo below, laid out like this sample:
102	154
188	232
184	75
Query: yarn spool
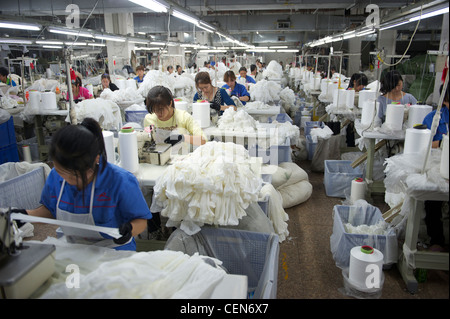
366	95
339	97
416	142
350	98
417	113
128	148
201	113
366	267
108	138
48	101
394	116
181	105
34	100
369	110
358	189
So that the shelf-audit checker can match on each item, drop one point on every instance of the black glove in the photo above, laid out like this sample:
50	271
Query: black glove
174	139
125	231
19	211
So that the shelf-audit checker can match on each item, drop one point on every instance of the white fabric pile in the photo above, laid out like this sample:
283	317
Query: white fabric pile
232	120
128	94
291	181
256	105
277	215
317	132
287	96
379	228
212	185
155	78
279	133
184	86
273	70
106	112
109	274
7	102
265	91
43	84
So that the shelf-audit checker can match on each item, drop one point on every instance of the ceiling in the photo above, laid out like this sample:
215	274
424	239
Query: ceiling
259	22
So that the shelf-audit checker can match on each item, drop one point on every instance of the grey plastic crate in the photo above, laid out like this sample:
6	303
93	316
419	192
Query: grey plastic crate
338	176
23	191
274	155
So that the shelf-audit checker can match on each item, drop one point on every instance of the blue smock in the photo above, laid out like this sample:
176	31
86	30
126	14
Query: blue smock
239	90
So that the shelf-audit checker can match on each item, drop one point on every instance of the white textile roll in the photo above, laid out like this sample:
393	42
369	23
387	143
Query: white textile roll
369	111
26	153
108	137
34	100
366	267
394	116
350	98
444	158
417	113
48	101
358	189
181	105
366	95
339	97
416	142
201	113
128	148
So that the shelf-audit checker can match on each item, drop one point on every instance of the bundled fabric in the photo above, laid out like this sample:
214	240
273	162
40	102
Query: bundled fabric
256	105
265	91
287	96
277	215
106	112
127	94
155	78
236	121
212	185
273	70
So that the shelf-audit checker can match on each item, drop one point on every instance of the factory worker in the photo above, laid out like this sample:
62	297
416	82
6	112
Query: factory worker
433	209
170	69
107	84
243	75
179	70
139	78
5	77
218	97
83	187
254	73
79	92
168	120
358	82
237	89
391	90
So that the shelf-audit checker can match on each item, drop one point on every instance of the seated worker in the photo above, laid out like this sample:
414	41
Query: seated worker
83	187
79	92
5	78
107	84
433	209
237	89
179	70
170	121
140	74
218	97
391	90
254	73
243	75
358	82
170	69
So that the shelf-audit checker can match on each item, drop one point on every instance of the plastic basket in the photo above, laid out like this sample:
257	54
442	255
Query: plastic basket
338	176
342	242
7	133
9	154
281	118
274	155
23	191
313	124
252	254
135	116
310	147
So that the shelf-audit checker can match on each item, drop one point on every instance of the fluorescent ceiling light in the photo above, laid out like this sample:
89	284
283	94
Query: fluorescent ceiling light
204	25
430	14
288	50
158	43
185	17
109	38
70	32
75	43
152	5
212	51
366	32
394	25
279	47
145	49
49	42
20	26
52	46
138	41
97	44
15	41
206	29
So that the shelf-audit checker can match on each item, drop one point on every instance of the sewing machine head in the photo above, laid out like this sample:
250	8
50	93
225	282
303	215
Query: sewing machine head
149	151
10	240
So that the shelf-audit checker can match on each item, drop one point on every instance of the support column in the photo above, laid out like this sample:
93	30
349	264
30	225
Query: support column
387	41
440	61
119	23
354	61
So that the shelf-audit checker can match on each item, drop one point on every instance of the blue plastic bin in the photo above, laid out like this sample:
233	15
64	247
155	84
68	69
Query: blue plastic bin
135	116
281	118
310	147
338	176
7	133
274	155
313	124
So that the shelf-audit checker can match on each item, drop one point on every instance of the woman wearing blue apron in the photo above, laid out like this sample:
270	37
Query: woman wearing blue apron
84	188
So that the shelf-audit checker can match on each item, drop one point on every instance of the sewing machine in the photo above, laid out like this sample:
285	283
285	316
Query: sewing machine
24	267
149	151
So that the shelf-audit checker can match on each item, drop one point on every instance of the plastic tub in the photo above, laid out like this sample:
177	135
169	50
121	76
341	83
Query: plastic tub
338	176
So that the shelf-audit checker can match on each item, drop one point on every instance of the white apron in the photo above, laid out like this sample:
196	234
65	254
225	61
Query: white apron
83	236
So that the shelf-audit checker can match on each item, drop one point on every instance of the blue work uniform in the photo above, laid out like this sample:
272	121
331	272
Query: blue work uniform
443	123
138	79
117	199
249	79
220	98
239	90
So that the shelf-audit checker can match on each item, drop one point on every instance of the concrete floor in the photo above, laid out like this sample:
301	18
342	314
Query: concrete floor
306	266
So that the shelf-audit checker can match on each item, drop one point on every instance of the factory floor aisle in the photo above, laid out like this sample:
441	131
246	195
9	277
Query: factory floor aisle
306	268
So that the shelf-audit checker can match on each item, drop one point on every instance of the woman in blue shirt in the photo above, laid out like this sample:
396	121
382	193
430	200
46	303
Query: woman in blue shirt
218	97
84	188
236	89
243	75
